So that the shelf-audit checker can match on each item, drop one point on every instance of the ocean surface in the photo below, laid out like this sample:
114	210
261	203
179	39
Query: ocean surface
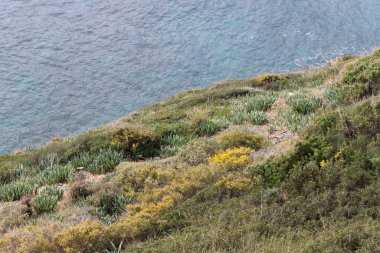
70	65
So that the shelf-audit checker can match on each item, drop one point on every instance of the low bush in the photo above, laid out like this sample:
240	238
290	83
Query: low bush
265	79
209	127
261	102
105	161
45	203
12	216
236	138
327	121
367	69
56	174
80	190
303	104
109	200
171	144
15	190
53	190
255	117
198	151
198	115
234	185
136	142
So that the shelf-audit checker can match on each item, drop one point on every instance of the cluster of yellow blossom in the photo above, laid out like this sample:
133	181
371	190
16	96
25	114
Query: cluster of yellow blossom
233	158
324	163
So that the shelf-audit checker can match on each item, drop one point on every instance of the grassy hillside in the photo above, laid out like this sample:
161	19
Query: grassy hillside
275	163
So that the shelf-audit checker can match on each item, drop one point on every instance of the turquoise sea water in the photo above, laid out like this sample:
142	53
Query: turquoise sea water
67	66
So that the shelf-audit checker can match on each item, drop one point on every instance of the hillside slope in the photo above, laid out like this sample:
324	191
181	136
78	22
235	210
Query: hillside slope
274	163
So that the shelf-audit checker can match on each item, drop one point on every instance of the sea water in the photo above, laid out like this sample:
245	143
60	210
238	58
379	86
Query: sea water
71	65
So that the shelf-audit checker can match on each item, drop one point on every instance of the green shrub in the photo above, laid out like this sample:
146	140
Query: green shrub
273	171
15	191
367	69
208	127
82	160
80	190
351	93
255	117
44	203
327	121
171	144
109	200
236	138
53	190
198	151
292	120
105	162
259	102
303	104
56	174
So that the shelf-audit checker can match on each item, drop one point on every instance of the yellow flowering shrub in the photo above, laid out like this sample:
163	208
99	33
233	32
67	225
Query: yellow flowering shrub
236	138
156	187
31	239
232	158
86	237
264	79
143	216
137	176
338	155
324	163
234	184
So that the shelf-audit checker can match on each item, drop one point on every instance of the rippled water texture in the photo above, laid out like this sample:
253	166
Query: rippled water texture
66	66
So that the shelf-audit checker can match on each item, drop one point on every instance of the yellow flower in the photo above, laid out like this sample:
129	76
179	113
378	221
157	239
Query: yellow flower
338	155
232	158
324	163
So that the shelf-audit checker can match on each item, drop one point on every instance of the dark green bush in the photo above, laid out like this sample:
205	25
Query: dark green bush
136	142
109	200
327	121
367	69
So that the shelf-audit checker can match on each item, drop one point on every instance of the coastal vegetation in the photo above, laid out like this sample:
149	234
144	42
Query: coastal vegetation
279	162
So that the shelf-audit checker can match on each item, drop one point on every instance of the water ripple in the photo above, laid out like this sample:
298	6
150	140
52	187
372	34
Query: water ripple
66	66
